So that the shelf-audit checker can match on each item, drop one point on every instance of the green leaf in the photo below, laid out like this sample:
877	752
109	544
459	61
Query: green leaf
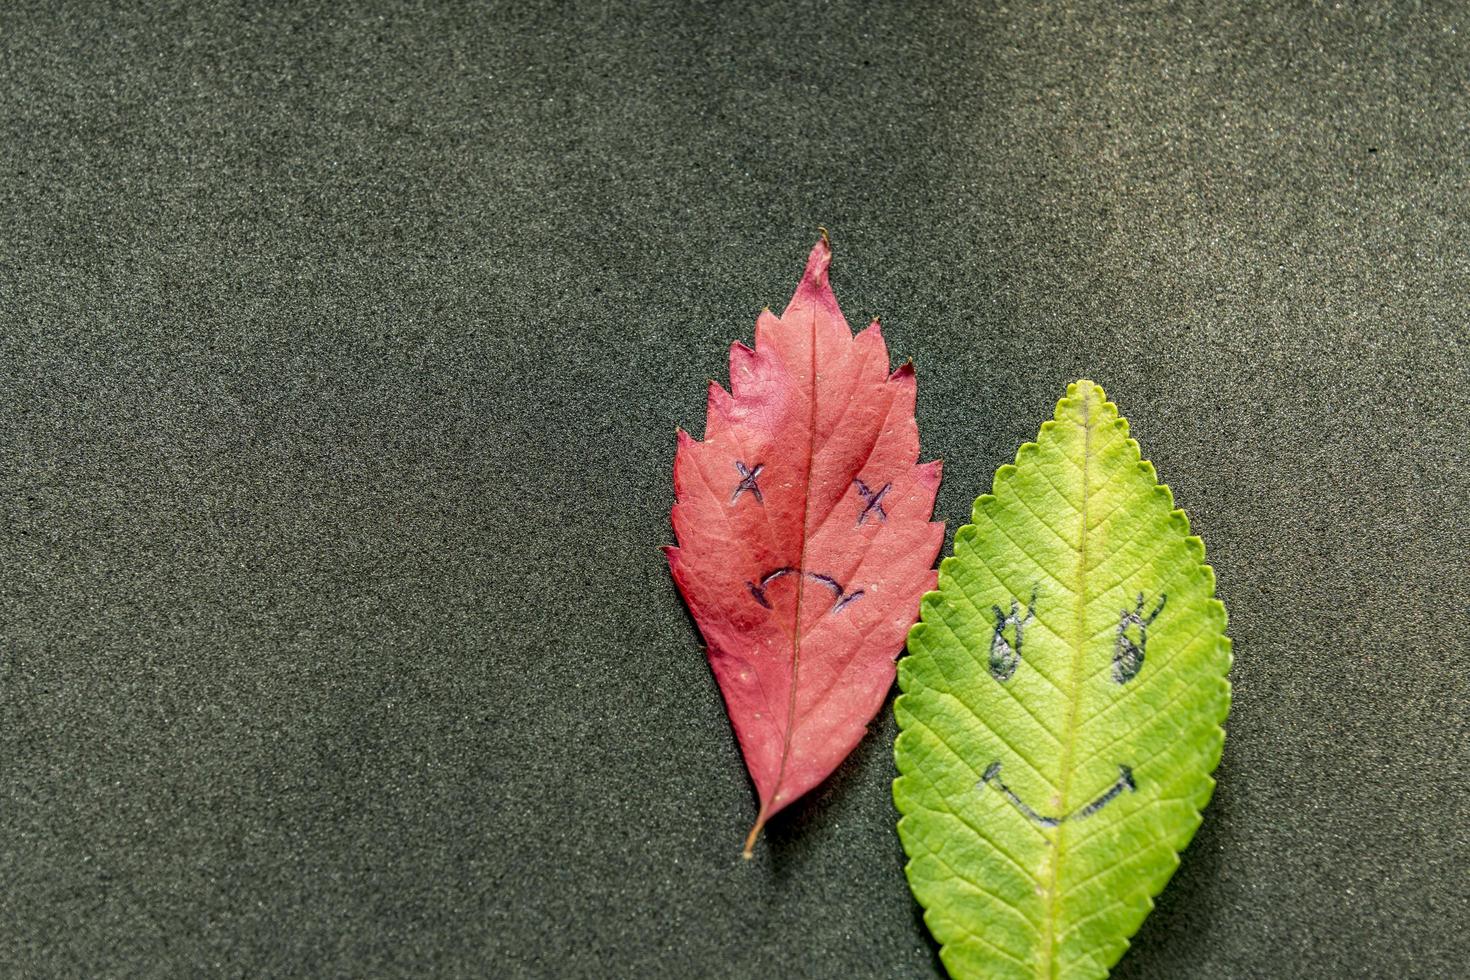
1061	708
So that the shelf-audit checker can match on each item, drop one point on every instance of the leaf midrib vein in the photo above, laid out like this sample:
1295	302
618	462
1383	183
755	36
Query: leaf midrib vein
1046	968
799	635
806	504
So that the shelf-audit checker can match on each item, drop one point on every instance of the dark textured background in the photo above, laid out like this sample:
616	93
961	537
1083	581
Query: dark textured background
340	360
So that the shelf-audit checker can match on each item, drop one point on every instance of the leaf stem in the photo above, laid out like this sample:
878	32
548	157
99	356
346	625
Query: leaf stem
760	822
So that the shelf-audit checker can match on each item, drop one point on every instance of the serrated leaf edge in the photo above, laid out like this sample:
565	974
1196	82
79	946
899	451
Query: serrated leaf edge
1194	542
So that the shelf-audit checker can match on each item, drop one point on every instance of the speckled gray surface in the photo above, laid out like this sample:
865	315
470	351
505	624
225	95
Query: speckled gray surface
340	360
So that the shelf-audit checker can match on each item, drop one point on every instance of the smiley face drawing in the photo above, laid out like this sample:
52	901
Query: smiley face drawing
1007	652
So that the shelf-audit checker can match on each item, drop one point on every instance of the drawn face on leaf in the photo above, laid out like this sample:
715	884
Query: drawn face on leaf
1008	651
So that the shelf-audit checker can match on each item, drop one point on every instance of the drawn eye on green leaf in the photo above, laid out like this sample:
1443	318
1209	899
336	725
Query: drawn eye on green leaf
1054	754
1005	645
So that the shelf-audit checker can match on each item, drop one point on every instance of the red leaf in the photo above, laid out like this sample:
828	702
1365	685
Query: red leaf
804	536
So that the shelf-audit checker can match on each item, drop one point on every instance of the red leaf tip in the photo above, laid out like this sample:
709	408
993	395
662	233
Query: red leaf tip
815	276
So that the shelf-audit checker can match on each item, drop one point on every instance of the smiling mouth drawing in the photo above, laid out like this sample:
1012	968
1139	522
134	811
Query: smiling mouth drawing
1125	782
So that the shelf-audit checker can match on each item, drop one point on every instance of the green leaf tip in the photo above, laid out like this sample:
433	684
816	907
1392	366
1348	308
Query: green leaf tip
1062	707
